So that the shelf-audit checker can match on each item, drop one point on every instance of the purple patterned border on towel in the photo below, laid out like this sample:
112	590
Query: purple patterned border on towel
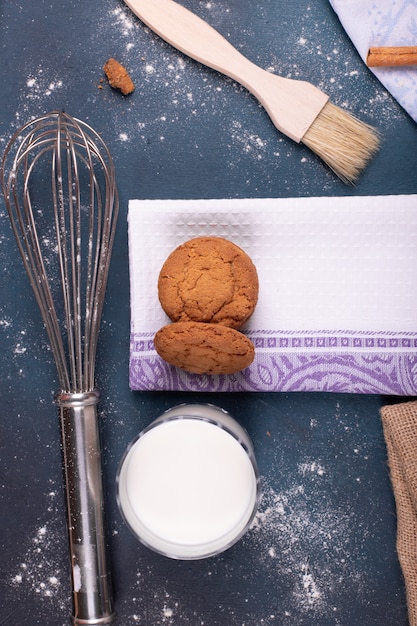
328	361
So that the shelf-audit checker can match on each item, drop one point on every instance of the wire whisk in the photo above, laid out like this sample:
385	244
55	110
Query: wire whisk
58	181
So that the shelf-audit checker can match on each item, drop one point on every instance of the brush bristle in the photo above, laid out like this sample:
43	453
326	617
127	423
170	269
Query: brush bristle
342	141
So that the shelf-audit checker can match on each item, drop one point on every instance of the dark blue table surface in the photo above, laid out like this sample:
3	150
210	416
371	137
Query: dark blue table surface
322	551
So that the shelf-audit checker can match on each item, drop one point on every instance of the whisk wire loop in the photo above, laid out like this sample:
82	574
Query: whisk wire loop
84	200
25	230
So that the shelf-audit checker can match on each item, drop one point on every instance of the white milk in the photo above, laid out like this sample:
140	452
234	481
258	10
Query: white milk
188	485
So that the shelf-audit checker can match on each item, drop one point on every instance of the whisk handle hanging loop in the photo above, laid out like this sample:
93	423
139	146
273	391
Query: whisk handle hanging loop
91	584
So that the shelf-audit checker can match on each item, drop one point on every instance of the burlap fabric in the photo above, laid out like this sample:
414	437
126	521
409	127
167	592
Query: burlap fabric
400	431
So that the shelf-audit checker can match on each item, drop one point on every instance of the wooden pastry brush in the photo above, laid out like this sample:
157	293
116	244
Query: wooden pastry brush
298	109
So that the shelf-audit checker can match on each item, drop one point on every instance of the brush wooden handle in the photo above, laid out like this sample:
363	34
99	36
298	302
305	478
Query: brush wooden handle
292	105
392	56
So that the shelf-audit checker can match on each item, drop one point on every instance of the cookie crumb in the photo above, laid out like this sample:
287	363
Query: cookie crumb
118	76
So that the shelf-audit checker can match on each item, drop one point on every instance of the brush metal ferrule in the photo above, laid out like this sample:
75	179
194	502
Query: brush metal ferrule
91	582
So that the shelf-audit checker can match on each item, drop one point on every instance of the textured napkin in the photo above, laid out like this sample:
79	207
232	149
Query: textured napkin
337	301
400	431
384	23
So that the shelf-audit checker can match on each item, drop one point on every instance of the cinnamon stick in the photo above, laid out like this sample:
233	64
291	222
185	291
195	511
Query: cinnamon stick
392	56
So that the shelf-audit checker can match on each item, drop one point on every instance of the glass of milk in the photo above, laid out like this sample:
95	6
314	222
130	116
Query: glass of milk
188	485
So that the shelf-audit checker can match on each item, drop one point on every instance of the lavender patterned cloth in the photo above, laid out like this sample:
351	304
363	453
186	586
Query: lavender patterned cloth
337	302
384	23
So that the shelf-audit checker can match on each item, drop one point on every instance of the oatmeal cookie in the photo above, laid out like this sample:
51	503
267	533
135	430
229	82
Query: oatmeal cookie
208	279
202	348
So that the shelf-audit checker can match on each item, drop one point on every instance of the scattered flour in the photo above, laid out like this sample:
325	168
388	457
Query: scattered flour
41	85
313	467
182	91
40	570
179	91
312	594
303	545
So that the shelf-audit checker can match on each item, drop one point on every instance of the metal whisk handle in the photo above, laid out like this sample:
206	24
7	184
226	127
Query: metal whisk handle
91	582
